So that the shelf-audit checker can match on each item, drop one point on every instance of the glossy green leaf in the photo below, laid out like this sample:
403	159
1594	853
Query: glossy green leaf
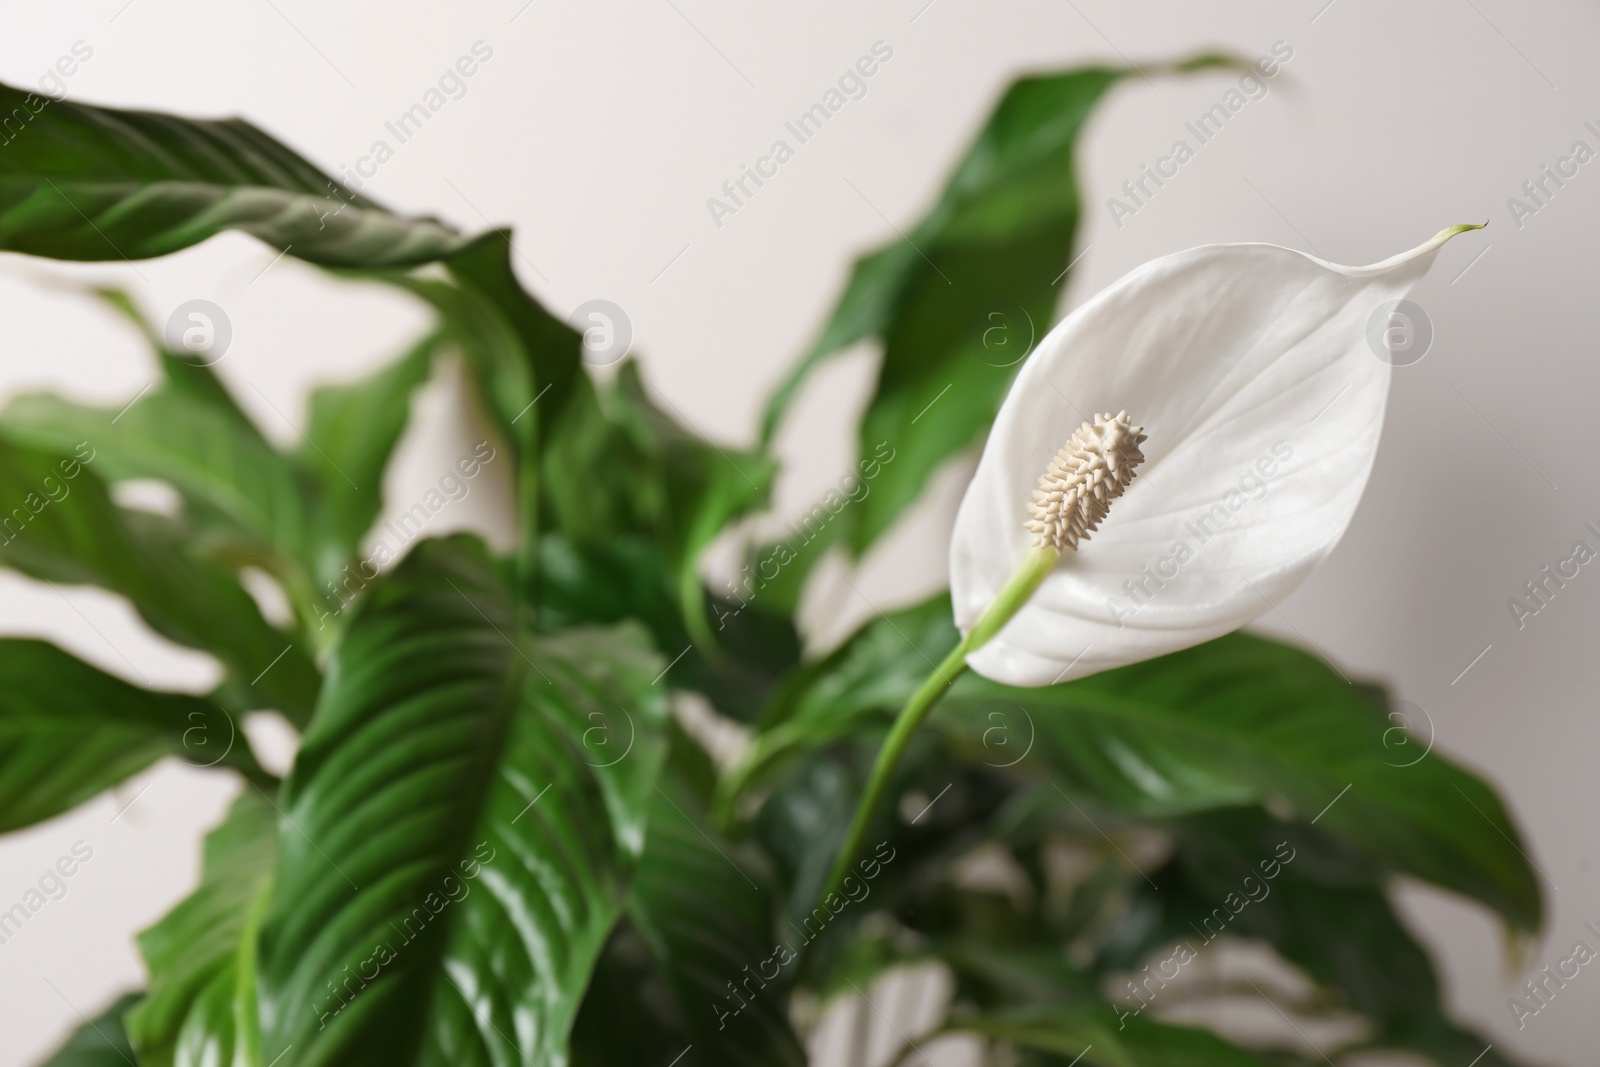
626	576
1324	910
1234	721
349	436
229	476
68	731
459	828
630	467
873	672
64	528
99	1042
960	299
200	1008
707	915
95	183
1243	719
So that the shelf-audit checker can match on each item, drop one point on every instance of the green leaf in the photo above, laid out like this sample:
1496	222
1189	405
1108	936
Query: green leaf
1325	911
94	183
1235	721
201	1003
64	528
549	349
457	840
708	919
623	577
234	483
959	301
625	466
68	731
874	672
1243	719
99	1042
519	357
349	437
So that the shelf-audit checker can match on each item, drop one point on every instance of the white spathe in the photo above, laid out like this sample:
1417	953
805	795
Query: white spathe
1249	367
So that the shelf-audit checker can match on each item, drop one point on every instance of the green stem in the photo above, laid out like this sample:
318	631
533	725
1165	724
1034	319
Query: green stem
1016	592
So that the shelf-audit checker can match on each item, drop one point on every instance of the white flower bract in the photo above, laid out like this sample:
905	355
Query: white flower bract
1250	369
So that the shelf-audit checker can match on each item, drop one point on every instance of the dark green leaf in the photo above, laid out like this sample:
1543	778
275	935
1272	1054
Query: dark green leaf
1243	719
1234	721
99	1042
625	466
63	527
1324	910
457	840
350	434
959	301
69	731
874	672
708	919
201	1003
180	433
95	183
626	577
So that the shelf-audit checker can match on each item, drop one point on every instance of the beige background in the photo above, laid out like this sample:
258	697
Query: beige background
599	129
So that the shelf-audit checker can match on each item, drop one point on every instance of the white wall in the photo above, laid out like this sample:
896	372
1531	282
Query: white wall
599	129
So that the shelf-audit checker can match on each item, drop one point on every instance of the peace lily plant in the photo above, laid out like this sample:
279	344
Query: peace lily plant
1246	362
509	833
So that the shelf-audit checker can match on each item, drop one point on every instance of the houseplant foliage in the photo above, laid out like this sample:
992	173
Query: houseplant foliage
498	844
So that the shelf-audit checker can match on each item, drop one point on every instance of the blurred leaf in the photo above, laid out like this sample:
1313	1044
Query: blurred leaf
612	579
201	1003
960	300
69	731
182	432
456	846
350	434
1243	719
99	1042
624	466
549	350
705	920
871	674
1324	910
1234	721
63	527
522	361
94	183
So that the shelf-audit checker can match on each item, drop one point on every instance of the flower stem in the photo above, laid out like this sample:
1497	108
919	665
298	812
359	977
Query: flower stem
1016	592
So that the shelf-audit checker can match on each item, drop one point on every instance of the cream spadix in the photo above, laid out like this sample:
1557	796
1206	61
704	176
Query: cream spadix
1251	367
1090	471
